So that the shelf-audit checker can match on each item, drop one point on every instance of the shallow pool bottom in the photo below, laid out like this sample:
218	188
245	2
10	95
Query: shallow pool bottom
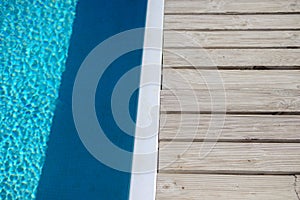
34	51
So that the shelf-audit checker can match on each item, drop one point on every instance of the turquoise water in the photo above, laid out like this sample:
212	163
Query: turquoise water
34	40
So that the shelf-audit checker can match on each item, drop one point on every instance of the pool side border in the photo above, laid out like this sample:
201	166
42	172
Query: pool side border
143	185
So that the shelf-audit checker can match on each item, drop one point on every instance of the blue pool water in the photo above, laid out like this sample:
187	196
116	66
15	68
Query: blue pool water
34	41
42	47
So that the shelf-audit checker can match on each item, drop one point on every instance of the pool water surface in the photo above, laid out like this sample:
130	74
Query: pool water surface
34	44
43	44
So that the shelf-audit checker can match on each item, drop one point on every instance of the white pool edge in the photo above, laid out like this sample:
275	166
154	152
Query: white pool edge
143	185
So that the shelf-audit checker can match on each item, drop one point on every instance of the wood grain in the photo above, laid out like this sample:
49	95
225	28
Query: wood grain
240	100
231	22
234	127
231	6
231	39
213	58
230	157
223	187
174	79
297	185
201	36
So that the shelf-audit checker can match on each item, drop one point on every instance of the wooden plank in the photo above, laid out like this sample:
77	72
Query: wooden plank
213	58
230	79
231	39
229	157
223	187
231	22
236	127
297	185
231	6
240	100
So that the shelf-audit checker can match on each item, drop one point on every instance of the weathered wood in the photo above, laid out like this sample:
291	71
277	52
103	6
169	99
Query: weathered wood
224	187
231	39
230	157
297	186
231	22
240	100
230	79
236	127
213	58
230	34
231	6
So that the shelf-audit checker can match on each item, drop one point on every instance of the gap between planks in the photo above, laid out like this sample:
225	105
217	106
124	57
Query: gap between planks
258	68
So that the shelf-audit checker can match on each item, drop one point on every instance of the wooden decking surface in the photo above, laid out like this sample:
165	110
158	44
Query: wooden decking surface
241	58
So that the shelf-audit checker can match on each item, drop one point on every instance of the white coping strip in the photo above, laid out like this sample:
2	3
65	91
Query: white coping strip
144	168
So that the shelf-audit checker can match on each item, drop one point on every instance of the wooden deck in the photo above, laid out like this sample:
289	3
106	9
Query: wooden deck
230	100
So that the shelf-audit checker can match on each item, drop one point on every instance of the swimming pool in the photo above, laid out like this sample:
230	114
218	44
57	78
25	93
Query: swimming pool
43	46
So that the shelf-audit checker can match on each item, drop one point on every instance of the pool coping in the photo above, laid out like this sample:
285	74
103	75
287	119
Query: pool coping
143	185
